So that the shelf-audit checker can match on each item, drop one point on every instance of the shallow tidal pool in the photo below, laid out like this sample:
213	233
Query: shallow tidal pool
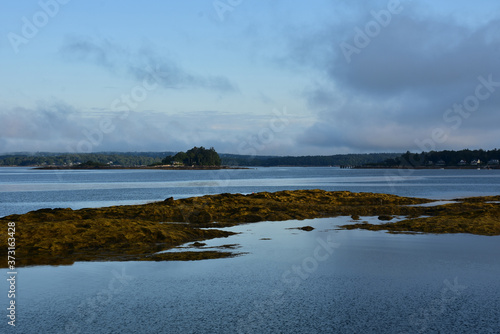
285	280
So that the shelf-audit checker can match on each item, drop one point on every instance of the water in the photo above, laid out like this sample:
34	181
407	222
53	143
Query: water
288	280
25	189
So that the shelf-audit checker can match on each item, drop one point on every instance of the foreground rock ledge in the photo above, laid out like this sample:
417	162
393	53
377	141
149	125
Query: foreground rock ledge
138	232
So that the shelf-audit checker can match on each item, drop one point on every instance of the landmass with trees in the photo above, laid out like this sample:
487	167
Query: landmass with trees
308	161
197	156
71	159
443	159
202	158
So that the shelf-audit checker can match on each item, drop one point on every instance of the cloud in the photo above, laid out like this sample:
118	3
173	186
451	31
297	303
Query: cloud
396	89
45	128
59	127
420	55
140	64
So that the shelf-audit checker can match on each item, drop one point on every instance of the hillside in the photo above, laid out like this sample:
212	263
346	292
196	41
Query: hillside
133	159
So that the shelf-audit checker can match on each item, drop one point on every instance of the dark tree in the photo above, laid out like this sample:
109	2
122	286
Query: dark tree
197	156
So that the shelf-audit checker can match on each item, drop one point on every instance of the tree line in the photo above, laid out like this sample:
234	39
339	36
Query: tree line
445	158
51	159
200	156
197	156
312	161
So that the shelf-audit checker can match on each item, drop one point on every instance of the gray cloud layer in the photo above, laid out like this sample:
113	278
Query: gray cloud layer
396	92
61	128
138	64
395	89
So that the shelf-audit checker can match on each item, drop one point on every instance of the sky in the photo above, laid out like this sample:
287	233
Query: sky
258	77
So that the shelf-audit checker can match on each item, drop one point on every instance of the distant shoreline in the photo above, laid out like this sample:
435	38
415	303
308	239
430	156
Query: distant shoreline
140	167
426	167
250	167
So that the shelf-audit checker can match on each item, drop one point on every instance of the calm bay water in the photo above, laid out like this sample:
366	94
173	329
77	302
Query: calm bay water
25	189
288	281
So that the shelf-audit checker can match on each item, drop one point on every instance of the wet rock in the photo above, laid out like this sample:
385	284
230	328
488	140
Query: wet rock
169	201
200	217
131	232
303	228
248	218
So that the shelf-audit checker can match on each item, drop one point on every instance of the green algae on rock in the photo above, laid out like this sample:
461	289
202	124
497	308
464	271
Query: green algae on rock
475	215
139	232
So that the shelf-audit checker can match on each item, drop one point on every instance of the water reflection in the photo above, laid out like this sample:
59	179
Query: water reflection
24	189
290	281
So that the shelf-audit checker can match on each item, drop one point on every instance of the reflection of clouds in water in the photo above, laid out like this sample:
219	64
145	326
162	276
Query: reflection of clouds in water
251	238
101	186
284	182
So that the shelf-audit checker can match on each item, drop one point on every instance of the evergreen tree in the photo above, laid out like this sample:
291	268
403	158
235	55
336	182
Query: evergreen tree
197	156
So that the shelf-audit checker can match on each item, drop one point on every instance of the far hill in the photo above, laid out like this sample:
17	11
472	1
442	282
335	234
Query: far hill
307	161
135	159
443	159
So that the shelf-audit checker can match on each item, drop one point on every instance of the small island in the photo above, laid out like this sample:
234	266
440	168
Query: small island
139	232
197	158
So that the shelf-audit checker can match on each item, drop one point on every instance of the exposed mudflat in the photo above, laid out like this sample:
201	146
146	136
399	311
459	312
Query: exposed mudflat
139	232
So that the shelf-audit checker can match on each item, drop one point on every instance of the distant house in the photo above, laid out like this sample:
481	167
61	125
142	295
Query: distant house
462	163
475	162
494	162
440	163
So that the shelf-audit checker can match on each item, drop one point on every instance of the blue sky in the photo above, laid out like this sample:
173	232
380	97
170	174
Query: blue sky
249	77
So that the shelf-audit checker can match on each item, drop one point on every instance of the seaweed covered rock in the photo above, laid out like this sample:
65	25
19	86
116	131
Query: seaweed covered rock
199	217
135	232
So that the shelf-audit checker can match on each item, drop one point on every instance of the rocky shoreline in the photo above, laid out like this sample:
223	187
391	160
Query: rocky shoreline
139	232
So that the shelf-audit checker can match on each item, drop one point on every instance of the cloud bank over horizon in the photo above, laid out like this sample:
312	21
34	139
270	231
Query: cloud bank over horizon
326	78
